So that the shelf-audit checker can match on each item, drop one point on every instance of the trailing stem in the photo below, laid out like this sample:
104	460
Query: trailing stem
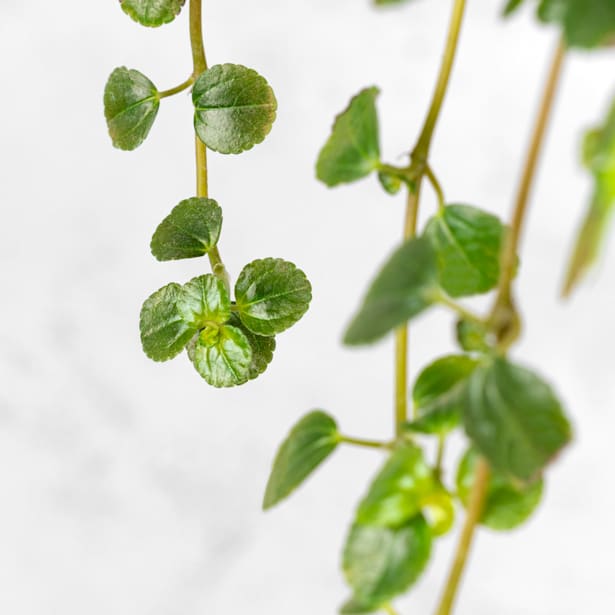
419	158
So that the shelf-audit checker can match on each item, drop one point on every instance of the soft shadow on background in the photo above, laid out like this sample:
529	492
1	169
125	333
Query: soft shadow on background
132	488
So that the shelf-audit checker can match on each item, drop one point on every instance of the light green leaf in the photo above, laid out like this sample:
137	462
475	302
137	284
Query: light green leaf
599	158
131	105
271	295
514	419
508	504
389	182
472	336
395	495
205	301
164	331
353	150
308	444
404	287
382	562
191	229
468	243
222	355
234	108
152	13
438	394
262	348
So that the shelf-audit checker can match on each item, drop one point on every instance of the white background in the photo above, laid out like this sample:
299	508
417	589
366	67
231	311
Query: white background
132	488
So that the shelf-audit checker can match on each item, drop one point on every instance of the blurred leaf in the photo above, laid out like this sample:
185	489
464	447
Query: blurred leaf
152	13
512	6
389	182
308	444
472	336
234	108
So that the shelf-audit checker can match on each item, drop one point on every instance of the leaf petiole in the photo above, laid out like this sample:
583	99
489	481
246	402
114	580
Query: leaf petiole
366	443
177	89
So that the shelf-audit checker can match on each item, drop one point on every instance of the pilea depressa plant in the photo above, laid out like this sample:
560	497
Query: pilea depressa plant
514	423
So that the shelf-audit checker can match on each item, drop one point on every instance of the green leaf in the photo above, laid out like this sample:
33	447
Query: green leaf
271	295
131	105
389	182
222	355
599	158
308	444
205	301
586	23
234	108
512	6
396	493
262	348
389	2
191	229
382	562
438	394
508	504
514	419
352	151
468	243
152	13
472	336
404	287
164	331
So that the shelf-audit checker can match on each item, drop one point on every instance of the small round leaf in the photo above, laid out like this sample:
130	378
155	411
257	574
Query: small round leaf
262	348
234	108
152	13
205	301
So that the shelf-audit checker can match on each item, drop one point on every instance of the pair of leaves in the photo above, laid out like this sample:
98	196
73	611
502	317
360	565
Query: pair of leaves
152	13
585	23
508	503
234	108
599	159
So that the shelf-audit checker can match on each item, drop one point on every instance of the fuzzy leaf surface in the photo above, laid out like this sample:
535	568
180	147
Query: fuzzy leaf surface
234	108
152	13
353	149
307	445
131	104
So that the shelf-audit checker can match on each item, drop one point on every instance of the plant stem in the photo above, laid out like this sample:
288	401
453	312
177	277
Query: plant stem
177	89
464	313
364	443
420	155
503	312
200	65
435	184
475	509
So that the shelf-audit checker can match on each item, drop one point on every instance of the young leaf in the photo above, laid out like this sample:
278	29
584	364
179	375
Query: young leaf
438	394
131	104
152	13
514	419
390	183
262	348
403	288
507	504
511	7
222	355
472	336
191	229
234	108
395	495
353	150
164	331
382	562
308	444
599	158
205	301
271	295
468	243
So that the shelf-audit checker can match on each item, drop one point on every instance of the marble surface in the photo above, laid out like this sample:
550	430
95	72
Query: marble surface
130	487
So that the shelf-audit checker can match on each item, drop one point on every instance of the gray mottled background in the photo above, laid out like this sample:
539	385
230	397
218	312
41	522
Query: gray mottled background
132	488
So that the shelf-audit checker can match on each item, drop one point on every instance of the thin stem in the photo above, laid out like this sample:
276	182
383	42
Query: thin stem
463	312
200	65
421	153
503	303
365	443
177	89
475	510
435	184
440	455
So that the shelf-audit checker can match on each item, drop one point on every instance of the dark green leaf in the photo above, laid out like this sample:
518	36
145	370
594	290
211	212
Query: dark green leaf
272	295
404	287
191	229
308	444
152	12
472	336
234	108
205	301
131	105
468	243
262	348
381	562
353	149
222	355
599	158
438	394
507	504
514	419
396	493
164	331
